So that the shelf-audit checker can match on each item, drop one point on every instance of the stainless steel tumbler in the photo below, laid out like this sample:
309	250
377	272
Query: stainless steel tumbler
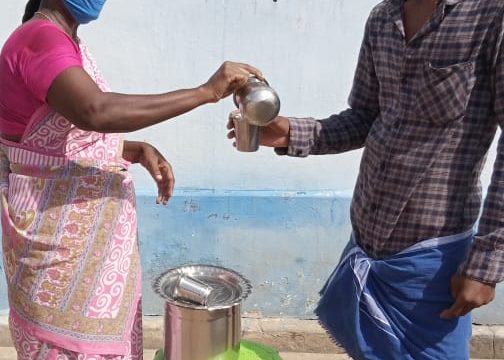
247	135
192	290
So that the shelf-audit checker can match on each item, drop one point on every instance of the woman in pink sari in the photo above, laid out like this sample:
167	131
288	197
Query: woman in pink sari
68	204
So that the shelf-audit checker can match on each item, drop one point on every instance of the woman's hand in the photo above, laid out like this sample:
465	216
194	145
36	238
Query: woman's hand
159	168
228	78
276	134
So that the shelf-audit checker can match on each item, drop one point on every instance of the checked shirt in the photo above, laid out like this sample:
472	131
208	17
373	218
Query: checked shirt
426	112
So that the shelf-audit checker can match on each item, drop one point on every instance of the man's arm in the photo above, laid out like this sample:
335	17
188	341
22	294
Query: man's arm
347	130
474	286
486	260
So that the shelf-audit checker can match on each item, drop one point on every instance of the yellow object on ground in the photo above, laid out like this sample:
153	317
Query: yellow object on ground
248	351
254	351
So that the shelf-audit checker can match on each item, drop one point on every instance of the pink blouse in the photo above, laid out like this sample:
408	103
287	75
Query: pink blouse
33	56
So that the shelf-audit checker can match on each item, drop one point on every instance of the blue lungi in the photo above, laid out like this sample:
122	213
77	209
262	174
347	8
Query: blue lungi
389	309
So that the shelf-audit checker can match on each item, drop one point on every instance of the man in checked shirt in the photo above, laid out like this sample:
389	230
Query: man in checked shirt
427	98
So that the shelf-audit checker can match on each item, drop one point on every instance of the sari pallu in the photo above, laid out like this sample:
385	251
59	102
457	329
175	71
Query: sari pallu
70	238
390	308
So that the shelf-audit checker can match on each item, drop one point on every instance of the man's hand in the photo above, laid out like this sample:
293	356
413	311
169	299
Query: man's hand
468	294
276	134
159	168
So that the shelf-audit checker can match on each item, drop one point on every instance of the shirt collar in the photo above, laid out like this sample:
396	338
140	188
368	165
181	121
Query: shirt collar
395	11
399	3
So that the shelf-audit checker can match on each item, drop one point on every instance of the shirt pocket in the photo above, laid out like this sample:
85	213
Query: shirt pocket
444	92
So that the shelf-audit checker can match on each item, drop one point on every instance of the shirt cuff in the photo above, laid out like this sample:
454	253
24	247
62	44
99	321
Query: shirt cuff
301	137
485	261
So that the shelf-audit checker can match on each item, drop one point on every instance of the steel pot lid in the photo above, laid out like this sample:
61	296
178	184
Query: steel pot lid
229	288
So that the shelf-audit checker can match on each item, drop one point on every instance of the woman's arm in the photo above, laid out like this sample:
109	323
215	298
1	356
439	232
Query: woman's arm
75	95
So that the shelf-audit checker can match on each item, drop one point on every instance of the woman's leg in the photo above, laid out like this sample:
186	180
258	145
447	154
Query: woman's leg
29	347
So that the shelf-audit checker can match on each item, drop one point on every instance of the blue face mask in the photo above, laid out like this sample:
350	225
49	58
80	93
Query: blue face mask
84	11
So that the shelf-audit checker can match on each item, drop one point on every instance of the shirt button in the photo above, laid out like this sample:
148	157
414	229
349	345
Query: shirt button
374	207
383	166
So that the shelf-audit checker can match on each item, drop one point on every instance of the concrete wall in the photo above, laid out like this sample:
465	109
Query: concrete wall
282	222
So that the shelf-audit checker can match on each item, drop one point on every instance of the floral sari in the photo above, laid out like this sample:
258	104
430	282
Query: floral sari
70	241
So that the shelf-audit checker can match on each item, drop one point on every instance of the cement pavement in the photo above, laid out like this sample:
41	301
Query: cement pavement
295	339
7	353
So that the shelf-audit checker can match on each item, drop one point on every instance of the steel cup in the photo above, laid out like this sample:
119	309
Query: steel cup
246	134
190	289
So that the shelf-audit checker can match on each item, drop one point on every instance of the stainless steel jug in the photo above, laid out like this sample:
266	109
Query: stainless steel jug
257	101
203	332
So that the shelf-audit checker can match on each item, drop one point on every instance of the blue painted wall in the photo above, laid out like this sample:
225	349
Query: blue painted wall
286	243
